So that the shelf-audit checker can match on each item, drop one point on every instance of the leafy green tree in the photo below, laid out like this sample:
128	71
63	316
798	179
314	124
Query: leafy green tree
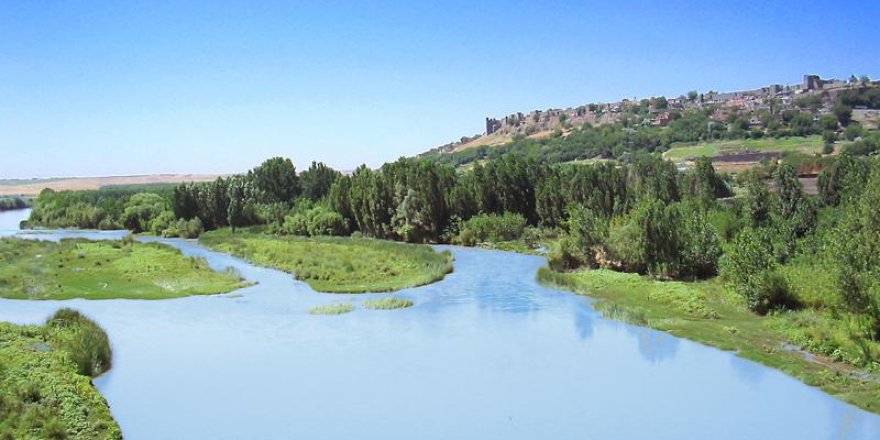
275	180
757	204
703	183
316	181
339	198
749	266
371	202
141	209
550	201
238	212
856	247
842	180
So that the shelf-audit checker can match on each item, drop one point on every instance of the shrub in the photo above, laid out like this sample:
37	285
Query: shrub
185	229
750	268
87	345
315	221
491	228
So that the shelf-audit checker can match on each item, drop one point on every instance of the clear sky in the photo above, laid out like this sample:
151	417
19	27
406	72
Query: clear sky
94	88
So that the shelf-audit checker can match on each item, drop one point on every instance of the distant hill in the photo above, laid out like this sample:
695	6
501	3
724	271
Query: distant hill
759	112
32	187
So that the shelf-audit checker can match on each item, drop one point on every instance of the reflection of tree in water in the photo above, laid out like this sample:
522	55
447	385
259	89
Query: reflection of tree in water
847	422
583	322
654	346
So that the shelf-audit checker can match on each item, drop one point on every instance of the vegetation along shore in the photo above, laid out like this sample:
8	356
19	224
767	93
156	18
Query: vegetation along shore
337	264
45	380
738	257
78	268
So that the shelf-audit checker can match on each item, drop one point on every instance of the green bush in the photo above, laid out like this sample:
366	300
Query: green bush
85	342
491	228
313	222
185	229
750	268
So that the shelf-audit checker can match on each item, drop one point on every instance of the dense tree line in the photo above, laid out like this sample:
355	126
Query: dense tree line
643	215
12	203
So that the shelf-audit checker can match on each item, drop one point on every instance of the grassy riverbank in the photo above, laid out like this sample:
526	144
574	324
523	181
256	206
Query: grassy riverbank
45	380
80	268
336	264
707	313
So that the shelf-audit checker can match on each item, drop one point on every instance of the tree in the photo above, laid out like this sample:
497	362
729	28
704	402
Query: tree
550	201
757	203
275	180
843	114
141	209
316	181
703	183
237	211
339	198
749	266
856	248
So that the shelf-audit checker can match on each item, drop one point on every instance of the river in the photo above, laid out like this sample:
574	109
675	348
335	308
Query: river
485	354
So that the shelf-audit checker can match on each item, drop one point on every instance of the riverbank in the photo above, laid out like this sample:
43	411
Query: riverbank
337	264
45	380
707	313
79	268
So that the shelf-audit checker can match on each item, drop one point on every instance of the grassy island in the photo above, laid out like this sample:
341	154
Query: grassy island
336	264
78	268
332	309
707	312
388	303
45	380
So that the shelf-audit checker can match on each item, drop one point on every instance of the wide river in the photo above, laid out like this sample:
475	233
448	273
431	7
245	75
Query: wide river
485	354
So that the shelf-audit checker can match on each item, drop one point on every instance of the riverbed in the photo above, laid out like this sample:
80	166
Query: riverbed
486	353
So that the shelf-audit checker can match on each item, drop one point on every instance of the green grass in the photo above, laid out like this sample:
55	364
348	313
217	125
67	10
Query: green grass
681	152
337	264
706	312
388	303
43	391
332	309
80	268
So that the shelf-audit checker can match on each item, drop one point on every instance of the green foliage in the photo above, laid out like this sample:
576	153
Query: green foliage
86	343
388	303
675	241
184	228
45	388
757	203
102	209
313	222
140	211
750	267
80	268
13	203
856	247
317	180
586	237
491	228
275	181
336	264
703	184
705	312
332	309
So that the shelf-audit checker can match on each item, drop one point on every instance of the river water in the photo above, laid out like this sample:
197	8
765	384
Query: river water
485	354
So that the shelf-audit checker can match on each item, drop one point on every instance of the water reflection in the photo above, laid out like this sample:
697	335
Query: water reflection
487	353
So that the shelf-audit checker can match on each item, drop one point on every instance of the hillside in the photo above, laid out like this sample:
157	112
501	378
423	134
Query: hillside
838	110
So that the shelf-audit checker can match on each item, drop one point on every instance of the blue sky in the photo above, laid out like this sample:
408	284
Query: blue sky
93	88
